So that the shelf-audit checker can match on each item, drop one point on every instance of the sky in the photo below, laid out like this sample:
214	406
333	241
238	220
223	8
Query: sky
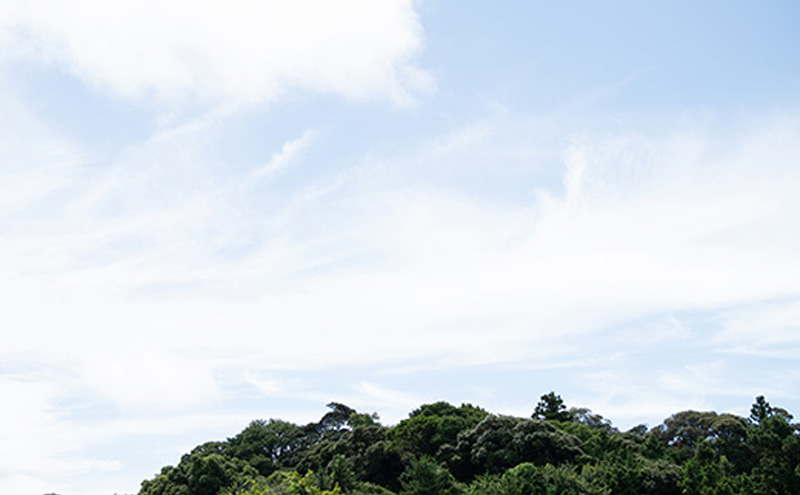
214	212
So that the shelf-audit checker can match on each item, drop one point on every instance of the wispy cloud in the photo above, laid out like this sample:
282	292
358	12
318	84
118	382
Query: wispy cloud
386	397
165	281
763	328
282	158
646	226
44	445
257	254
140	295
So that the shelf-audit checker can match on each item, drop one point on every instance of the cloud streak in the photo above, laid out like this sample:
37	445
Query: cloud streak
645	227
178	286
133	280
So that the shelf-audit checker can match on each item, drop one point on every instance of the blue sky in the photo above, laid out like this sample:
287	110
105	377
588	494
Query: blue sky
217	212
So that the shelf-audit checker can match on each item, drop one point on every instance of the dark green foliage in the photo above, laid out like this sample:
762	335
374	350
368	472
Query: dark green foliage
629	474
523	479
487	447
337	417
726	433
652	448
541	443
584	416
367	488
365	448
595	444
199	473
380	465
776	445
760	411
425	477
169	482
501	442
685	429
486	484
449	450
416	435
551	407
363	419
262	443
659	477
703	471
432	426
529	479
340	473
286	483
209	474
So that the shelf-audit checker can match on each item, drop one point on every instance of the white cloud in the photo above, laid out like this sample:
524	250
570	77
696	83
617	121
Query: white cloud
385	397
41	444
651	224
282	158
234	52
123	280
763	328
36	162
628	399
24	485
168	281
147	379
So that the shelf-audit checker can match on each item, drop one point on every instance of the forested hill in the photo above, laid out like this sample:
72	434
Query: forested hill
449	450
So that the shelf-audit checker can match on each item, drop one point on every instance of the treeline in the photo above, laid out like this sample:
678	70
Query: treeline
449	450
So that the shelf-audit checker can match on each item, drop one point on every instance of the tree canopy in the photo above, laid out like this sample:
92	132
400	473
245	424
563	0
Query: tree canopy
442	449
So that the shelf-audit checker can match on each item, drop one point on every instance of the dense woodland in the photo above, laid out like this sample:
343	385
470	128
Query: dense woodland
449	450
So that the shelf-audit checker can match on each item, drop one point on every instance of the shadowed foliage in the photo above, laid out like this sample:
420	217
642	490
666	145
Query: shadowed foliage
441	449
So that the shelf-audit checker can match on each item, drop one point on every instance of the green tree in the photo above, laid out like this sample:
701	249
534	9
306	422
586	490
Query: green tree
264	443
726	434
760	411
703	474
199	474
551	407
776	444
363	419
586	417
431	426
501	442
424	477
341	474
290	483
170	481
338	416
440	448
524	479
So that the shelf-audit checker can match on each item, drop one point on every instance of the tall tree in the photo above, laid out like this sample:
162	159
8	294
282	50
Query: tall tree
760	411
551	407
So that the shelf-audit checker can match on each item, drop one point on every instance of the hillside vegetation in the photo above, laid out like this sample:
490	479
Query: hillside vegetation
449	450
